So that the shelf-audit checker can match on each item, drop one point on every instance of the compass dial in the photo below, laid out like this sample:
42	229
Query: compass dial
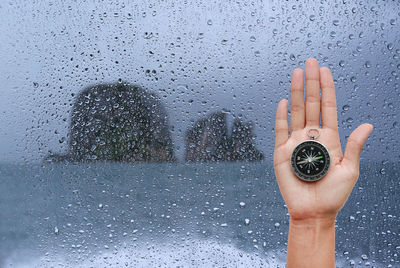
310	160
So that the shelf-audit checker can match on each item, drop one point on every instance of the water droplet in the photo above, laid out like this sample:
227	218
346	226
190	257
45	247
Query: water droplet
352	219
242	204
147	35
277	224
341	63
209	22
246	221
336	22
224	224
292	57
35	84
390	46
346	107
312	17
368	64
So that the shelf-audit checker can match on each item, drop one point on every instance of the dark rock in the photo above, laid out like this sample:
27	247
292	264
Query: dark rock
118	122
208	140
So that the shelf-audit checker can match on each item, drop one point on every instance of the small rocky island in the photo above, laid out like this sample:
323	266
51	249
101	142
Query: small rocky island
118	122
208	140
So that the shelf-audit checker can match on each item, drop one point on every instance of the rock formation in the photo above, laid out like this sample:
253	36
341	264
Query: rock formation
208	140
118	122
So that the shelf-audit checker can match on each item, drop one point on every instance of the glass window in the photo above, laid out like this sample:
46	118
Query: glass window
141	134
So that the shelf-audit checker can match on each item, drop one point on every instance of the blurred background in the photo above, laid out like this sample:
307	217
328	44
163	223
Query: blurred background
199	58
91	89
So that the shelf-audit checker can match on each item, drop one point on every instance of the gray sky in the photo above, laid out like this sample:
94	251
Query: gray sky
221	55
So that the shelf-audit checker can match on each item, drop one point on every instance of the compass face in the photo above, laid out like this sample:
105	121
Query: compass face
310	160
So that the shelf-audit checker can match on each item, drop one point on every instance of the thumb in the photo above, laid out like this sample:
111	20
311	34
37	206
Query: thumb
355	144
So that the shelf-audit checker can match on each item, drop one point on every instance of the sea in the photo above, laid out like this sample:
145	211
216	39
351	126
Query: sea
228	214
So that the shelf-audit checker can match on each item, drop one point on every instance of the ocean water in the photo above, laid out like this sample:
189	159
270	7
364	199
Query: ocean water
179	215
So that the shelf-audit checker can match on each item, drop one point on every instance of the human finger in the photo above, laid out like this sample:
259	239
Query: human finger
328	102
312	93
354	146
297	111
281	123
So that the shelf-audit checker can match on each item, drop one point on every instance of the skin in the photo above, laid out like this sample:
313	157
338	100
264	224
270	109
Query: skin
313	206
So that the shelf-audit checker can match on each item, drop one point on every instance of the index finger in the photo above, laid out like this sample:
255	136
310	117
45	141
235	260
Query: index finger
328	102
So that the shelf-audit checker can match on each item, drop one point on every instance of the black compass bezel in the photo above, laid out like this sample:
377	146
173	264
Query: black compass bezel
301	175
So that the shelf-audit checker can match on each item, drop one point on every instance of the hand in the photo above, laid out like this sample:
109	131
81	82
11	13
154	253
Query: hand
324	198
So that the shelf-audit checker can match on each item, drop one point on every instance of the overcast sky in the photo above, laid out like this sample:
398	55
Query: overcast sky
222	55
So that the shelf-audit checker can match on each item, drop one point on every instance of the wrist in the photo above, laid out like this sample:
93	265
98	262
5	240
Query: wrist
316	222
311	242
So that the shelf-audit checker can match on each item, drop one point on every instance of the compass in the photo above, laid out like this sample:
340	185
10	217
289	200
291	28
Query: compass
310	159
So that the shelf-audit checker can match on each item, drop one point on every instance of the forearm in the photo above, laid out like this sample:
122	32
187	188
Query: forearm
311	243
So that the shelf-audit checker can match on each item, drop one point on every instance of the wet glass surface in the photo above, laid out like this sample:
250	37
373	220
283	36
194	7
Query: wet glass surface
141	134
221	214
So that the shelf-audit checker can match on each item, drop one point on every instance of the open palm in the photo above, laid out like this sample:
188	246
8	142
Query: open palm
325	197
